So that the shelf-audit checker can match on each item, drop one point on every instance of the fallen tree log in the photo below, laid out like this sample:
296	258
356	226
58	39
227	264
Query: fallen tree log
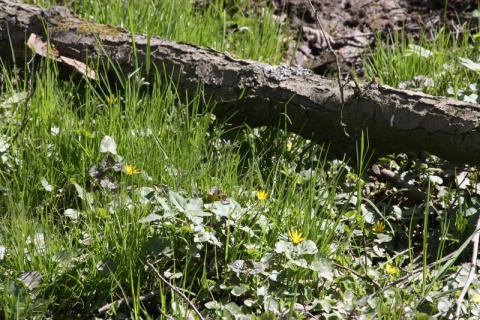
260	94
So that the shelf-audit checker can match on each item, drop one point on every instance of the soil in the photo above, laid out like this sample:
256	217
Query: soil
351	26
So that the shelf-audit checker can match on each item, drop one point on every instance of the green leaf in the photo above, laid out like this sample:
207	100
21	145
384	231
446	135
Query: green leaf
232	210
248	266
72	214
84	133
302	263
18	97
323	267
373	303
46	185
199	213
272	305
195	249
177	201
201	235
160	246
307	247
397	212
147	195
469	64
238	290
101	212
82	194
30	278
253	250
418	51
326	306
422	316
186	228
237	266
107	266
234	309
108	145
195	205
383	237
63	257
444	304
212	305
249	302
193	218
283	246
172	275
151	218
348	296
436	180
470	212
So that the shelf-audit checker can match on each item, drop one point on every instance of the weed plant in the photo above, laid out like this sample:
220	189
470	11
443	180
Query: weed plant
105	188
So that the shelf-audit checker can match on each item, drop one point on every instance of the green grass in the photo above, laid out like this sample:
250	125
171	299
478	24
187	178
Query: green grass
432	66
235	26
101	182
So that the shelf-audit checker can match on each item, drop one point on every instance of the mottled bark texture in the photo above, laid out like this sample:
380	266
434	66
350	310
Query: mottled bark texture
257	93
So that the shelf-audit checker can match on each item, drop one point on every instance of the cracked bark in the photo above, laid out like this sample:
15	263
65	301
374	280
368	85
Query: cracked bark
260	94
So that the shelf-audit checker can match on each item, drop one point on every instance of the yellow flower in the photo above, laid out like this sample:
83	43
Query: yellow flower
130	169
296	237
391	269
111	99
289	145
262	195
476	298
378	227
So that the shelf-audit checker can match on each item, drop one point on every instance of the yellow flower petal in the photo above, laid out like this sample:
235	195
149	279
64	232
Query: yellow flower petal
130	169
476	298
111	99
262	195
378	227
296	237
391	269
289	146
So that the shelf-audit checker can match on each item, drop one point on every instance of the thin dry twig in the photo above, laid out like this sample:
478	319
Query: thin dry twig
337	63
472	271
177	291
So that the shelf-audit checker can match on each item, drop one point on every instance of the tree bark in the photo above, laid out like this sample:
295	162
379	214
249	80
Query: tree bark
260	94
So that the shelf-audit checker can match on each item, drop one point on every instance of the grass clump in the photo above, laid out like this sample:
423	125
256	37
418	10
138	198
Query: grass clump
440	65
233	26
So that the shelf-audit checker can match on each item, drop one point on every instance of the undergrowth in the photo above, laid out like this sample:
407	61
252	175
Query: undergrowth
140	204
